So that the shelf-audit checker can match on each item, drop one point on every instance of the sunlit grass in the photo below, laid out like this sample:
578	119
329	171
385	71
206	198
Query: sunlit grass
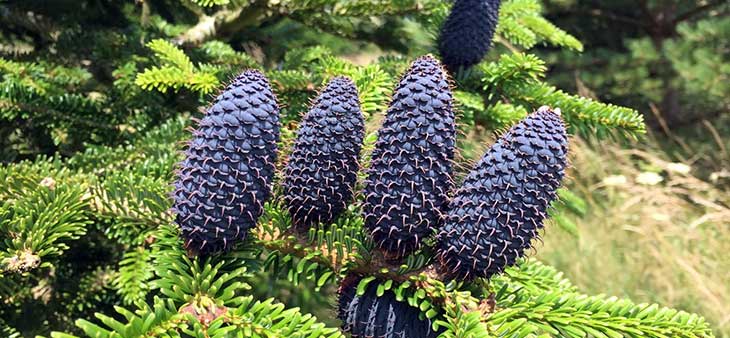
653	232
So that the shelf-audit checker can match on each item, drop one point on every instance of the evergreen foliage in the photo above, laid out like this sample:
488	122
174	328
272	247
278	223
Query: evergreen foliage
672	54
97	99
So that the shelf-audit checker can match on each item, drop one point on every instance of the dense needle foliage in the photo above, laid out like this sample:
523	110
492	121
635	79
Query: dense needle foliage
159	167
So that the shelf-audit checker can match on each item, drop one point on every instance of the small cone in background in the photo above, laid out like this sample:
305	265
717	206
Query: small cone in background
466	35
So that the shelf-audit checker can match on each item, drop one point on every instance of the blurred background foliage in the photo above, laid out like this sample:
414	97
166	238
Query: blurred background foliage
658	219
96	86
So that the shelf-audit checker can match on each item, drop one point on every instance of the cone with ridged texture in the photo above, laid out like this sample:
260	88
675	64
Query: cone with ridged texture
466	35
322	168
406	190
503	201
225	178
378	317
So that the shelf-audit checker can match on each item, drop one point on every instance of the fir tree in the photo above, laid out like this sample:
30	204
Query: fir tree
97	97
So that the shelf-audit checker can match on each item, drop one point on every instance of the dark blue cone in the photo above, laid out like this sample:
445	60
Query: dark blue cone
322	168
466	35
502	204
369	316
226	176
406	192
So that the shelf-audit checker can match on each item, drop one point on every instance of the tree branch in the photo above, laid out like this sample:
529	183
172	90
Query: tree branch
689	14
225	21
207	26
295	243
610	16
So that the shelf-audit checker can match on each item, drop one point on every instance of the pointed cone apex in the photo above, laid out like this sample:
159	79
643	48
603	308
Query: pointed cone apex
322	168
225	178
409	178
372	316
466	35
503	201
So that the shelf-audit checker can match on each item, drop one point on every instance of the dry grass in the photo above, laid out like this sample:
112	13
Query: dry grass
666	242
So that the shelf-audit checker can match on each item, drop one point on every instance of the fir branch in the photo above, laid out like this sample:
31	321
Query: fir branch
159	319
133	205
584	114
37	219
217	279
339	248
250	318
153	154
268	318
208	26
223	54
532	276
176	72
135	272
464	324
555	312
8	331
501	115
521	22
223	22
516	77
210	3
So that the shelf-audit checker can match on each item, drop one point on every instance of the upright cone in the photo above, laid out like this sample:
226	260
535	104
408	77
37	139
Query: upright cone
466	35
370	316
322	168
409	178
225	178
502	204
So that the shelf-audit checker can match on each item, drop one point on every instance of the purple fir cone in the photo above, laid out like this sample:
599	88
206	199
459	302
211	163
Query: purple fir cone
225	178
406	191
370	316
502	203
322	168
466	35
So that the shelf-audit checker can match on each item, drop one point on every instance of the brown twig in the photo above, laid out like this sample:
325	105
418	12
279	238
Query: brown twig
665	128
223	22
295	243
697	10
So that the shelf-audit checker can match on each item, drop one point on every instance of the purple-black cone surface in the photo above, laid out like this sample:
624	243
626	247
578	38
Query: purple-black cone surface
322	168
370	316
503	201
406	192
225	178
466	35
